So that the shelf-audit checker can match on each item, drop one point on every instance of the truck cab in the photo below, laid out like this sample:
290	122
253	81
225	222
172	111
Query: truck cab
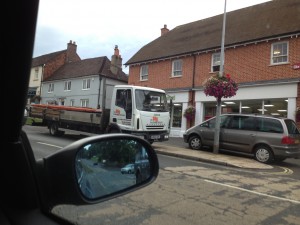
141	111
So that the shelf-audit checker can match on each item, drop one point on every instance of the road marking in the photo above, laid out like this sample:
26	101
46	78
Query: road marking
254	192
49	145
286	171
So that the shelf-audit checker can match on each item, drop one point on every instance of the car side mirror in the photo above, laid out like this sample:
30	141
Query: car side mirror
89	170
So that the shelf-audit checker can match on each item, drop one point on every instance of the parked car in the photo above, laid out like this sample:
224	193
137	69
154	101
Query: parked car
265	137
129	169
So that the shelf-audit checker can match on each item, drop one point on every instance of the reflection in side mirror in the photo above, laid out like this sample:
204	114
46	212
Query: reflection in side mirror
109	166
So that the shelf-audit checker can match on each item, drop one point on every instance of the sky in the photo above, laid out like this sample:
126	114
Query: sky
97	26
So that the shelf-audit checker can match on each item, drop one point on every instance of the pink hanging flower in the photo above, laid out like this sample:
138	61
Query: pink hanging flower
189	112
220	86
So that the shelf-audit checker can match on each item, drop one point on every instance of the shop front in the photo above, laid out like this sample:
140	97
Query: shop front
276	100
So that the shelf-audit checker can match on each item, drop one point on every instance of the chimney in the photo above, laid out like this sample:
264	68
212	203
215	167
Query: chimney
71	52
116	61
164	30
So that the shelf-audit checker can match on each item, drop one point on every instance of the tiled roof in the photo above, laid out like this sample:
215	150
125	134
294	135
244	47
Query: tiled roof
43	59
270	19
86	67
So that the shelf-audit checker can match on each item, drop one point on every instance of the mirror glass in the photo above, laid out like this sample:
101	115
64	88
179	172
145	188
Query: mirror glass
109	166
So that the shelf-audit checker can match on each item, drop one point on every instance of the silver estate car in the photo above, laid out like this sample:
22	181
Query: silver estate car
265	137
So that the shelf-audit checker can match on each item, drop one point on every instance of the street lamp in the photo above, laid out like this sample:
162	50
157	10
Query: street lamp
218	113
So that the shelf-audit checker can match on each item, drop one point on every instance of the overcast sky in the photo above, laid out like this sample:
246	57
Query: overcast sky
97	26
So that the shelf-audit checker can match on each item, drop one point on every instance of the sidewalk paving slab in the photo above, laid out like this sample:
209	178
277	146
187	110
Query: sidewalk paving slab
220	159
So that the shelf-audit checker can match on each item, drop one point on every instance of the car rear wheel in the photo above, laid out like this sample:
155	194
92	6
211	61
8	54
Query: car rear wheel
195	143
263	154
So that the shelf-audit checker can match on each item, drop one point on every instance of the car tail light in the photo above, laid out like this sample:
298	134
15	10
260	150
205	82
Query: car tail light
288	140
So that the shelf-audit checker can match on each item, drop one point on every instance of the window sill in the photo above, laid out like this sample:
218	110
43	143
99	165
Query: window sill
176	76
280	64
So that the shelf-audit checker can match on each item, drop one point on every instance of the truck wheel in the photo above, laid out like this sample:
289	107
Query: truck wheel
53	129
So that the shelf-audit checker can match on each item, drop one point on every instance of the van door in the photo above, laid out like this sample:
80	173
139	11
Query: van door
239	134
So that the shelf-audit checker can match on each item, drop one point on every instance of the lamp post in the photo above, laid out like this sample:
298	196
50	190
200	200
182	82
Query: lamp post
218	112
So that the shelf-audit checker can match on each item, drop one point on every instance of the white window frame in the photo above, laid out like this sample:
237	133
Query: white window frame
144	72
72	102
67	86
51	88
177	68
86	84
36	73
84	102
215	61
280	55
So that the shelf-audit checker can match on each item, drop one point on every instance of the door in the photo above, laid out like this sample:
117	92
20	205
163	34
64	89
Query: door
239	134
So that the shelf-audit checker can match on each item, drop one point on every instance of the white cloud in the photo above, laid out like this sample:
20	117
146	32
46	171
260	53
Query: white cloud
97	26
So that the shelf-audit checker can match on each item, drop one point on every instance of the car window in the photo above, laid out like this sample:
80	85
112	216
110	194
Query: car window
211	123
292	127
242	123
269	125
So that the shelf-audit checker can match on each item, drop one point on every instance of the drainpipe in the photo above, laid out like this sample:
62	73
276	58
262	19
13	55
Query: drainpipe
99	89
194	74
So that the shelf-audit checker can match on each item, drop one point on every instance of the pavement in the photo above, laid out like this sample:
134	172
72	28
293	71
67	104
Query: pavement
175	147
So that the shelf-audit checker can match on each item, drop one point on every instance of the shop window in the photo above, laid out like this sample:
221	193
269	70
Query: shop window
177	115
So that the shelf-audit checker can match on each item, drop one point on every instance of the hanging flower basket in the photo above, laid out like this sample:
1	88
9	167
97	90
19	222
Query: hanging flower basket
189	112
220	86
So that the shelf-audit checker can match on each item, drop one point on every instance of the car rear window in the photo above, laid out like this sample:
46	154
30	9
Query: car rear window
292	127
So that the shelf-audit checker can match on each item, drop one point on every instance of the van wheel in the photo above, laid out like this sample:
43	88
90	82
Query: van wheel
195	143
263	154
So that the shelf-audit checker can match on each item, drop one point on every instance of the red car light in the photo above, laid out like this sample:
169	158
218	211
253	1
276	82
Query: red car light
287	140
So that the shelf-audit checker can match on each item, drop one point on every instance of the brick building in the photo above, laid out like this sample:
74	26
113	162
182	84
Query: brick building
262	54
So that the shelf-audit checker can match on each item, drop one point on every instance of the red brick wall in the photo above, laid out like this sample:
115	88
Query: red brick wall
52	66
159	75
244	64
